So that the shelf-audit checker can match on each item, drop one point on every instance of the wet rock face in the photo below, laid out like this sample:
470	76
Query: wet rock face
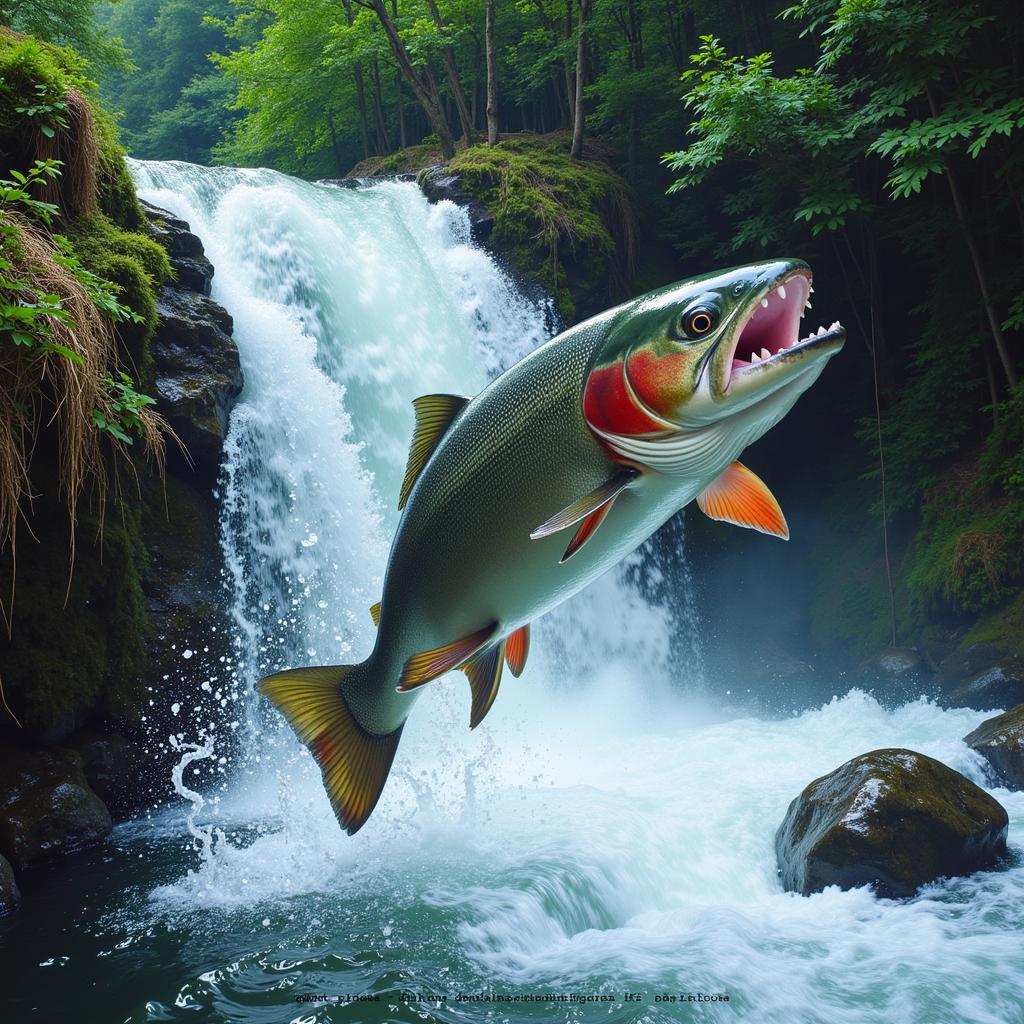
983	676
198	374
48	807
438	183
184	249
10	894
1000	741
893	819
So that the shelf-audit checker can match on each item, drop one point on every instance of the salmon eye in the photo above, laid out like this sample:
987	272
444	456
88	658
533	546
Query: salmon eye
699	322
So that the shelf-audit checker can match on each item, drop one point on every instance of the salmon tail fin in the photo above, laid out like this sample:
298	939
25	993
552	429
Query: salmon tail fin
355	763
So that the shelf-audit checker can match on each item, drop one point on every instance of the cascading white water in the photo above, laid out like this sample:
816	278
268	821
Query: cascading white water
601	832
347	305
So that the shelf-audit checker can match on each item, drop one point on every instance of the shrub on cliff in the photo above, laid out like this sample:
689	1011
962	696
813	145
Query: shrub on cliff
571	224
77	308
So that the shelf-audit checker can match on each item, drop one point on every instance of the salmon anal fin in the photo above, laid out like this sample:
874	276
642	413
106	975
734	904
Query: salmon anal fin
421	668
589	503
375	613
741	497
586	530
517	650
434	415
354	762
484	675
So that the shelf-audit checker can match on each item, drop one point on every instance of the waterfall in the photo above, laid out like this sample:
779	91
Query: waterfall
348	303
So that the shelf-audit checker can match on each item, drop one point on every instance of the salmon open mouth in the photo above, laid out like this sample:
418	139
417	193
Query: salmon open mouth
771	333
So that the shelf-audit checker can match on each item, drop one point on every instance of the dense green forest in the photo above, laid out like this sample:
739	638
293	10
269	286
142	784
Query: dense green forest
879	139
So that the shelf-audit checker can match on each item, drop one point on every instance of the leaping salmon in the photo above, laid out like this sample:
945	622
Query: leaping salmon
518	498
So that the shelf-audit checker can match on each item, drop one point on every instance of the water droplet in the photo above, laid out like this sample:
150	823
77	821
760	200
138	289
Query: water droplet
186	654
175	708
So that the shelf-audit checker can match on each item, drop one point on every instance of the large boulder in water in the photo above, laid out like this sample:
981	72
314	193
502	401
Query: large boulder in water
46	805
894	819
1000	741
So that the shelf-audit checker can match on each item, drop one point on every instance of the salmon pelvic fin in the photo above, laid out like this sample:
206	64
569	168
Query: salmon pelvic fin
354	763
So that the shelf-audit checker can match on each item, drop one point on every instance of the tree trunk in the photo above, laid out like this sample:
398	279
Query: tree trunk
448	55
383	142
570	81
427	99
581	71
401	110
979	270
492	76
364	134
334	146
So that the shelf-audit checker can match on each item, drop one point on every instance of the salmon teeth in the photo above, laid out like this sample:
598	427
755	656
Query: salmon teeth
782	291
765	354
754	357
764	302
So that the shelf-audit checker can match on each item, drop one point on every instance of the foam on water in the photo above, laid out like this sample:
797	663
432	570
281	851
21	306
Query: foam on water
604	830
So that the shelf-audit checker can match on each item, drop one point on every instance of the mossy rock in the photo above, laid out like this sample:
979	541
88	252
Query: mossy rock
48	807
892	819
1000	741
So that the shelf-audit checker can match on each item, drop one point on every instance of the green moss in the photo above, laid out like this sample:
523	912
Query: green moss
137	265
405	161
115	190
968	555
75	652
569	224
1002	627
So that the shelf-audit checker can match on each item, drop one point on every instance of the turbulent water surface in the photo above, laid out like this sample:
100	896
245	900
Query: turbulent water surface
600	847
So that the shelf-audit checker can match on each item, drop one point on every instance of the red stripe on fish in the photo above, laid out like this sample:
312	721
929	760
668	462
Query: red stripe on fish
608	404
659	381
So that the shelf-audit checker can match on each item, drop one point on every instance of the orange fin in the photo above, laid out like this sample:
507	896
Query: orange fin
354	762
484	675
517	650
600	496
741	497
421	668
434	415
375	613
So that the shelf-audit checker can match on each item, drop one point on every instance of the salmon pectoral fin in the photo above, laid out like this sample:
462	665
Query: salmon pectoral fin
588	504
375	613
742	498
422	668
517	649
434	415
354	763
484	675
586	530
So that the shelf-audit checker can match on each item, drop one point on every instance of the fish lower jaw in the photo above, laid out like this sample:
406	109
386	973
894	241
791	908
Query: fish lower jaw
771	353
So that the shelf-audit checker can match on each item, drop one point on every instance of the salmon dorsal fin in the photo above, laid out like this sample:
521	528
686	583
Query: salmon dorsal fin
484	675
423	667
589	511
354	763
741	497
517	650
375	613
434	415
